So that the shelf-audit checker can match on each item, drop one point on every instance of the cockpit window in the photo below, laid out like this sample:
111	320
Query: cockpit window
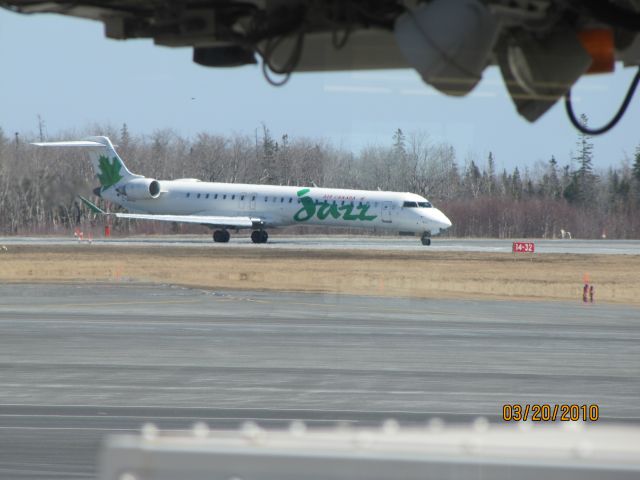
410	204
425	205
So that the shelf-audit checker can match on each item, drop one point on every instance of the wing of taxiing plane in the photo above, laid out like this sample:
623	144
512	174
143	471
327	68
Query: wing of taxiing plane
210	220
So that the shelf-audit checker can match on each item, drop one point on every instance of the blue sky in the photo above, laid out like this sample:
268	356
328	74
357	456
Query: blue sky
65	70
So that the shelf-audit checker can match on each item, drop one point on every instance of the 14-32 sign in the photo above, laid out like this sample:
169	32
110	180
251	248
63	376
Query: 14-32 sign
523	247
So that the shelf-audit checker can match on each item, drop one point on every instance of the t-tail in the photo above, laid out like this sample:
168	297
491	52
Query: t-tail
108	167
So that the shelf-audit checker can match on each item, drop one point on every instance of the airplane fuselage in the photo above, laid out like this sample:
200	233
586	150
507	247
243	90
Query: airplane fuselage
277	206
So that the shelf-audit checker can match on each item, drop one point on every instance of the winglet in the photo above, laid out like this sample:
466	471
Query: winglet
93	207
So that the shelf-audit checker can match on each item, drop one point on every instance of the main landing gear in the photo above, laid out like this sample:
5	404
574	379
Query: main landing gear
259	236
221	236
426	238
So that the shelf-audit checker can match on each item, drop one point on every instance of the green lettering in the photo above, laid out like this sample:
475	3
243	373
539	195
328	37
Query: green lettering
327	209
308	207
363	214
347	213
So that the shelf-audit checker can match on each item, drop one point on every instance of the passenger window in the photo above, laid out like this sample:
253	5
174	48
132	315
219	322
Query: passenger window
241	197
281	199
266	199
290	199
215	197
233	197
224	197
198	196
188	195
253	198
207	196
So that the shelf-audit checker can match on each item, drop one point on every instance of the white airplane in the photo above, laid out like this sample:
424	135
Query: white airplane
231	206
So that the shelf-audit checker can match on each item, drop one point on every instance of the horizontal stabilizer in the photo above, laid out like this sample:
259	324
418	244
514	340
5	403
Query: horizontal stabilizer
107	164
214	221
92	206
75	143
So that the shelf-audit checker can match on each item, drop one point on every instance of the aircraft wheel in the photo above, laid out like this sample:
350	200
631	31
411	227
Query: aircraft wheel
221	236
426	239
259	236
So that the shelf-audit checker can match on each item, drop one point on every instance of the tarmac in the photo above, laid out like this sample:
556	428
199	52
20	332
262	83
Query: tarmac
346	242
80	361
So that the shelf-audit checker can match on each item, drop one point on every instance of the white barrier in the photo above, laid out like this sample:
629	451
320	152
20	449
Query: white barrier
524	452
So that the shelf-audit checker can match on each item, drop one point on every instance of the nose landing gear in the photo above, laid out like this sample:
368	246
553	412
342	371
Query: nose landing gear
221	236
426	238
259	236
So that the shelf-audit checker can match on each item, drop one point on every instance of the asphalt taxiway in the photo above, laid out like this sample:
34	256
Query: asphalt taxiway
354	242
80	361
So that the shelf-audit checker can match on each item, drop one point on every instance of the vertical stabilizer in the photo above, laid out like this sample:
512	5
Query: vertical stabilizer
107	164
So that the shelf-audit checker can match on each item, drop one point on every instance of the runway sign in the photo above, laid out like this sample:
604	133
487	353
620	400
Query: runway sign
523	247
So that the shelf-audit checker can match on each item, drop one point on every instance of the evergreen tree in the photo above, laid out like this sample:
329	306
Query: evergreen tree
619	188
398	170
529	188
516	184
284	160
553	187
585	180
399	143
472	179
491	175
635	177
269	150
571	192
506	182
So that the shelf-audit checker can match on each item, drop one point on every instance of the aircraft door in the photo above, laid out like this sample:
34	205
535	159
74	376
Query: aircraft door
244	201
386	212
252	201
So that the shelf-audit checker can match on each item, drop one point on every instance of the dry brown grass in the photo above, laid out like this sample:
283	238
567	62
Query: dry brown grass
415	274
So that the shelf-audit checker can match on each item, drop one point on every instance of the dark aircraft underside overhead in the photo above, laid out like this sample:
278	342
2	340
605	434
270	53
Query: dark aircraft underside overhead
541	46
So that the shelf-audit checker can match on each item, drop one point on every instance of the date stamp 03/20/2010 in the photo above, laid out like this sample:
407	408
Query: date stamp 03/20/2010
545	412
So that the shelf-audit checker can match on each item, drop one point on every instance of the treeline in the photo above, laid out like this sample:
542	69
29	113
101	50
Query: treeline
38	187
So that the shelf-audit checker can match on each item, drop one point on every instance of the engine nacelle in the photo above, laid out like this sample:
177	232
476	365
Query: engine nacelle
142	189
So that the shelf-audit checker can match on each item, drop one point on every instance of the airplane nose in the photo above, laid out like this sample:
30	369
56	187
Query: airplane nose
440	219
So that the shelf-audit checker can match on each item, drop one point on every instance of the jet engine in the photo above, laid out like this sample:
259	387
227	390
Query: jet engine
142	189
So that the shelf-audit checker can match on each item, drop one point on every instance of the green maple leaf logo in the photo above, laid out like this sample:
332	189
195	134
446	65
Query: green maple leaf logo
109	172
